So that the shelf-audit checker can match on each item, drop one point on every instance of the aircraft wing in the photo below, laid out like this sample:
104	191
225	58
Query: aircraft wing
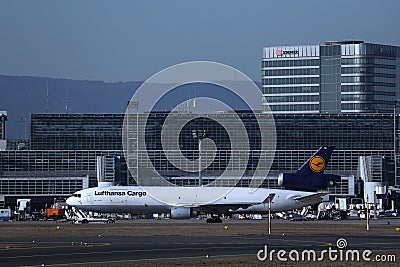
311	198
227	207
269	198
221	208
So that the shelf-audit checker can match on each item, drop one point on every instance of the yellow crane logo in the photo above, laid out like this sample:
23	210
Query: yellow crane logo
317	164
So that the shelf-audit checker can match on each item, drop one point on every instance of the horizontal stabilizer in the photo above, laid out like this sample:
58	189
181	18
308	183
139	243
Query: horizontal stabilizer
311	198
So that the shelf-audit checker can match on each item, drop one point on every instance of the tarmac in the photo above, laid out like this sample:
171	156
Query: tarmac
171	242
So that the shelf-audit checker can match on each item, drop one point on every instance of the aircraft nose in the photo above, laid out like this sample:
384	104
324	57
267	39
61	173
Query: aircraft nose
71	201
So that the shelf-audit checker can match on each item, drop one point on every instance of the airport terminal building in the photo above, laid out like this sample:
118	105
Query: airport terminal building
66	147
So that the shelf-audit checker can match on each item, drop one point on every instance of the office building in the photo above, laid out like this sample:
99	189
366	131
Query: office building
331	77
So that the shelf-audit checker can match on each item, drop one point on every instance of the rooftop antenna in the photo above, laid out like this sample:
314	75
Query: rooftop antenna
47	98
24	121
194	103
66	101
188	104
19	126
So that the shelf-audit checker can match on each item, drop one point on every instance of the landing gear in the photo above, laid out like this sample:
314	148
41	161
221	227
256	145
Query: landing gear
214	218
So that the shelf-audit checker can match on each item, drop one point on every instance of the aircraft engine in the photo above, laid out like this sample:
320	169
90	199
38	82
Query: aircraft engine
315	181
180	213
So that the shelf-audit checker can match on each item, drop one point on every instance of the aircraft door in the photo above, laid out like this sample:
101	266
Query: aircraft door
89	198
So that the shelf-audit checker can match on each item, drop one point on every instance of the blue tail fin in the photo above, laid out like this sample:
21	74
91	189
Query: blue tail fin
317	163
311	175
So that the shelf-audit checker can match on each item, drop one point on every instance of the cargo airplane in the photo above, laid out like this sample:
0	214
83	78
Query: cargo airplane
185	202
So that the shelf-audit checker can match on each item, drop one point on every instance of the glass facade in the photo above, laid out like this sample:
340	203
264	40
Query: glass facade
356	133
344	131
345	76
41	186
369	79
291	79
298	136
76	131
53	163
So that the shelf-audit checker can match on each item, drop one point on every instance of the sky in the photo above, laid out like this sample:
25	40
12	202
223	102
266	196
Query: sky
132	40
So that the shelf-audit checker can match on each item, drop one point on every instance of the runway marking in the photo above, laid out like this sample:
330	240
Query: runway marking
115	251
191	243
147	259
77	244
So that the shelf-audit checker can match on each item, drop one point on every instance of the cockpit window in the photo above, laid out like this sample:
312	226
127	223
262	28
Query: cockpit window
77	195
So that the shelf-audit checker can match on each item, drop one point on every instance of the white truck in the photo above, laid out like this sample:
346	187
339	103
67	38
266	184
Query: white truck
23	208
5	214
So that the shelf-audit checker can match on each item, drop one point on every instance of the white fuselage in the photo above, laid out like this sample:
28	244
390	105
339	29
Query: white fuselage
135	199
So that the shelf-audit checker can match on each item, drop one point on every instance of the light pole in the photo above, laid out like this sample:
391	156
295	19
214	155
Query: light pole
270	197
396	104
199	135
